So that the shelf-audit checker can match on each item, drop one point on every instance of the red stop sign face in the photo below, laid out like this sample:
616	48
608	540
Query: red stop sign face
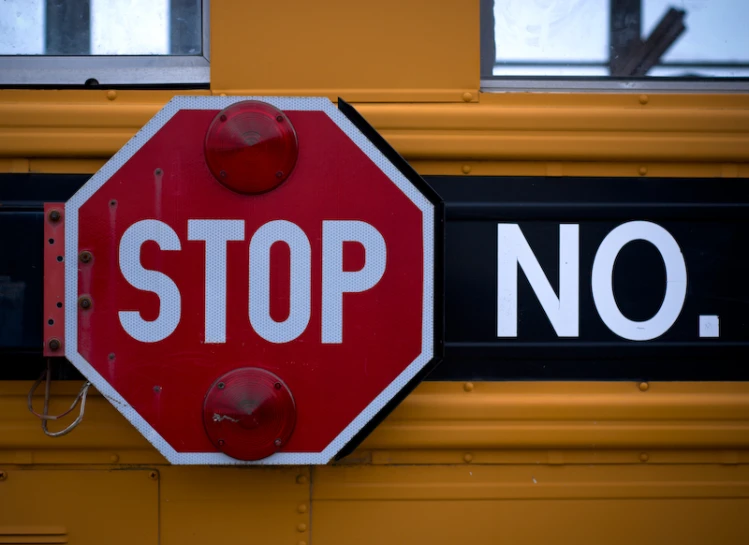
321	291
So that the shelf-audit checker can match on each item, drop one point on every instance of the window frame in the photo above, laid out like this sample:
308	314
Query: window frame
81	70
582	84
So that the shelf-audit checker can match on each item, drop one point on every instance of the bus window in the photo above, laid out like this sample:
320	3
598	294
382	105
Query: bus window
103	42
646	42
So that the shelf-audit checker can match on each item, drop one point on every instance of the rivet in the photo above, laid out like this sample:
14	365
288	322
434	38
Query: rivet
468	458
279	118
54	344
154	476
643	171
222	95
3	475
84	302
466	169
114	458
220	385
301	508
157	388
468	386
644	457
644	386
222	117
221	442
158	172
111	94
111	356
301	527
54	216
301	479
85	256
644	99
301	543
113	203
467	97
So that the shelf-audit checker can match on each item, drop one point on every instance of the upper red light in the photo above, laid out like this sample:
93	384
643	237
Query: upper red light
251	147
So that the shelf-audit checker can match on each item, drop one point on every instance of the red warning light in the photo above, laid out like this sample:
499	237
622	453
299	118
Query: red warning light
249	414
251	147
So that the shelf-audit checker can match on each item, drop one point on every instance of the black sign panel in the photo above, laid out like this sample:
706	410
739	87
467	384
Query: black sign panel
654	279
559	332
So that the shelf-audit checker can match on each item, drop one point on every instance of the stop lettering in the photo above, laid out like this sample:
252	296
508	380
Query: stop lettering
216	234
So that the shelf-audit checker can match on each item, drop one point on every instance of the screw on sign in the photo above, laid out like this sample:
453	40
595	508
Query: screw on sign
255	280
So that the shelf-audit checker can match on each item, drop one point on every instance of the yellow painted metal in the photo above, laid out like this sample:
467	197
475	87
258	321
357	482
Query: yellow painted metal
531	419
234	505
79	505
394	50
531	504
167	505
591	135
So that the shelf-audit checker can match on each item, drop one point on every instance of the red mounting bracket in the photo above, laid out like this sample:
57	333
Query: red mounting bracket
54	279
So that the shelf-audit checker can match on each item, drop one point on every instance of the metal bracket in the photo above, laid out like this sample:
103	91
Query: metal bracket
54	279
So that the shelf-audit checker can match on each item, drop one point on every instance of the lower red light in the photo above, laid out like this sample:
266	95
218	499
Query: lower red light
251	147
249	414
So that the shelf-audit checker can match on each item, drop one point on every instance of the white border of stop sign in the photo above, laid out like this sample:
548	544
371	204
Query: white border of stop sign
123	155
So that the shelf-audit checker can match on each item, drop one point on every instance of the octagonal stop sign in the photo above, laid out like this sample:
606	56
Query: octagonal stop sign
254	280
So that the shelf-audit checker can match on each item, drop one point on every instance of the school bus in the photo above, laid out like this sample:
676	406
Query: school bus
601	441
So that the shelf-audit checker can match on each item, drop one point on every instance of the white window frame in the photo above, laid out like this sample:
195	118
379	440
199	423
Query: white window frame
110	69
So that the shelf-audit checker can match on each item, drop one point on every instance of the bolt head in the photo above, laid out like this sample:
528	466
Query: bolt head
54	344
85	302
85	256
55	215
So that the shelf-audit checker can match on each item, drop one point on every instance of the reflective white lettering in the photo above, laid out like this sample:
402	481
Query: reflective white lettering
215	233
336	281
300	299
154	281
513	252
602	282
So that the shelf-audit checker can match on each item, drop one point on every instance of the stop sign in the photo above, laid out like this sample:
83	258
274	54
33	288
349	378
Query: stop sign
253	280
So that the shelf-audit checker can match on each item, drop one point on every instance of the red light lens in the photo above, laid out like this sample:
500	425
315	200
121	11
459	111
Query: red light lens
249	414
251	147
